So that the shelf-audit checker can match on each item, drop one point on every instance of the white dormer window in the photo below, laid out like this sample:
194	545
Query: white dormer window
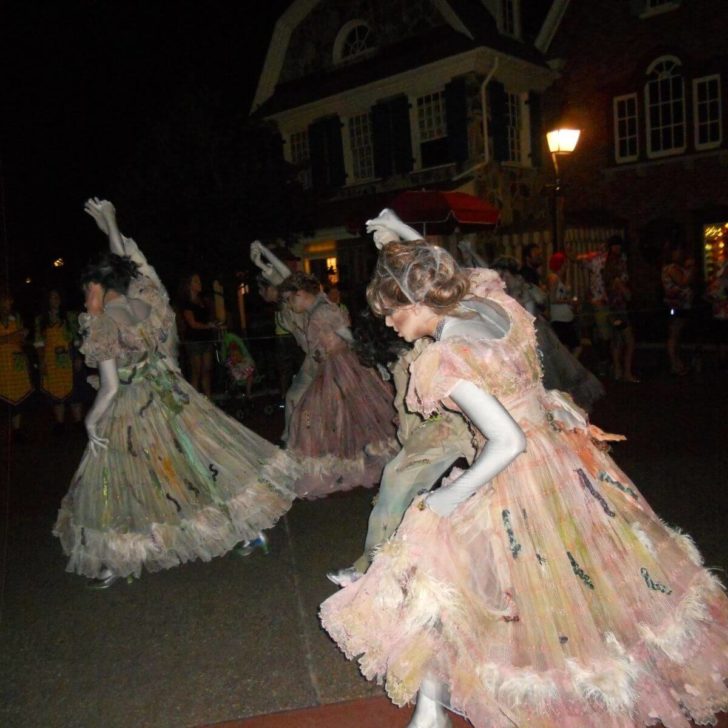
665	107
510	18
354	41
648	8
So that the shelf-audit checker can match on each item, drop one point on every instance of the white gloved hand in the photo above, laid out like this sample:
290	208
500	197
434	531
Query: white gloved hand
505	442
388	228
96	443
109	377
98	210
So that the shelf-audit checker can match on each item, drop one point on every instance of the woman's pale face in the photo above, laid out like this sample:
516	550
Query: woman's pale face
299	301
94	298
412	322
54	300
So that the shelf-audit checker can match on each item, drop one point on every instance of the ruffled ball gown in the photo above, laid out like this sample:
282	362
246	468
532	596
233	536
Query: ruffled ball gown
555	596
180	480
342	429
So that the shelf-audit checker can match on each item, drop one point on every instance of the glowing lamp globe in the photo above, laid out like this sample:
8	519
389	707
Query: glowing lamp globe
562	141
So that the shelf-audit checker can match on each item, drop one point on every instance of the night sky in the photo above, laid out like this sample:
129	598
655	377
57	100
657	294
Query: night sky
84	82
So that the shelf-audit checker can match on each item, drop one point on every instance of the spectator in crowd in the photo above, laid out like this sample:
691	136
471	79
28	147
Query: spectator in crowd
561	306
619	295
200	333
15	384
55	331
532	261
678	274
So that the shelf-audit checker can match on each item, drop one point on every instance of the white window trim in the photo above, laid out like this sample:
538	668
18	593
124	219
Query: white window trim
516	18
341	37
525	141
615	101
415	128
649	12
709	145
351	179
648	129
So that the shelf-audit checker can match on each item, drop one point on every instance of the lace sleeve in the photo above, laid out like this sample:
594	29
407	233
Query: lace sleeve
100	338
437	371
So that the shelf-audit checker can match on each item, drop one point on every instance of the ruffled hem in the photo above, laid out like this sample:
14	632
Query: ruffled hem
330	474
673	674
210	532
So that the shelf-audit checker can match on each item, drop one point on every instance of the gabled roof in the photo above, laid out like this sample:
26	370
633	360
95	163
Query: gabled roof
470	26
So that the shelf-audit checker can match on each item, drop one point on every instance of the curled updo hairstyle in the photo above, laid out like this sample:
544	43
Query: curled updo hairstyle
113	272
300	281
416	272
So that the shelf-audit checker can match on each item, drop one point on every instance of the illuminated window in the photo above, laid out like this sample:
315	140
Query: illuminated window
360	141
626	141
665	107
706	112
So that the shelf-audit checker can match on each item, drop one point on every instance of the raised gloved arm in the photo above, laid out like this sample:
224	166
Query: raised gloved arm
274	269
388	228
505	442
108	388
470	256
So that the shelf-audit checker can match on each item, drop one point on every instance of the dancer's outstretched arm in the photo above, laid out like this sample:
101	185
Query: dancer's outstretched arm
387	228
274	269
109	378
104	214
506	442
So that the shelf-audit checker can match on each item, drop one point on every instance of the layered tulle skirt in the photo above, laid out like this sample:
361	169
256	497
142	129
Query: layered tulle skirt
342	430
555	597
180	480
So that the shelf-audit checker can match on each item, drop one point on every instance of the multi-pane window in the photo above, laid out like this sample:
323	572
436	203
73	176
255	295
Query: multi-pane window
626	140
706	112
357	42
432	126
665	108
514	127
301	157
360	140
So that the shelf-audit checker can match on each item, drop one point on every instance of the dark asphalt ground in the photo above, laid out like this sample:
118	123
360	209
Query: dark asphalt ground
214	642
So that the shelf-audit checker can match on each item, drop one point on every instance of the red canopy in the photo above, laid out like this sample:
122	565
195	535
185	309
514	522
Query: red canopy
433	207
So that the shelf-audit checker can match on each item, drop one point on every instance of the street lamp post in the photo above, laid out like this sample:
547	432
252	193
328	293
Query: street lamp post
561	142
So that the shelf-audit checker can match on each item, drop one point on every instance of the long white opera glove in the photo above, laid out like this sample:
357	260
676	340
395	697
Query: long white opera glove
387	228
345	333
274	270
107	391
505	442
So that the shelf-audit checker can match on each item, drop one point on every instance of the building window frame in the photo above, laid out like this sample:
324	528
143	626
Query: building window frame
712	120
626	135
354	41
516	129
661	99
510	18
361	147
431	125
651	8
300	156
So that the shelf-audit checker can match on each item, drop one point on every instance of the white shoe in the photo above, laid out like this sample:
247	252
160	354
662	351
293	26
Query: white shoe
344	577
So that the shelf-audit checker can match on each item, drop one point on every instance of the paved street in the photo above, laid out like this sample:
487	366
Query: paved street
215	642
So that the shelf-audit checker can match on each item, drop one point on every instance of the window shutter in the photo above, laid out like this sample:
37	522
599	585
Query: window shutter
497	104
401	135
327	155
536	126
336	173
317	152
380	141
456	111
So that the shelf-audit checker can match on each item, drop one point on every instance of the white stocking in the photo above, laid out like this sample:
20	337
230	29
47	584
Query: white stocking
429	712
